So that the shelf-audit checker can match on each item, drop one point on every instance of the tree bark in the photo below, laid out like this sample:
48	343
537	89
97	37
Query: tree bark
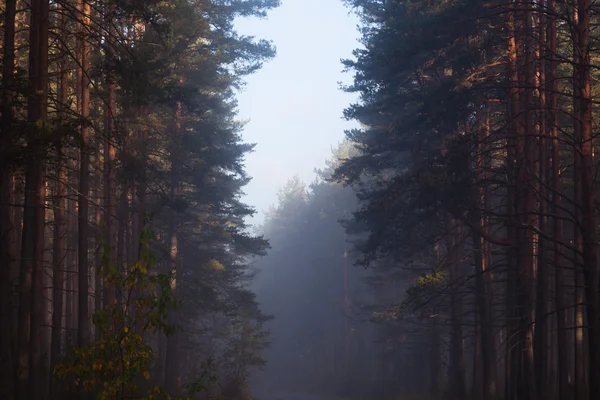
588	222
482	275
557	224
525	184
513	347
31	282
580	373
110	152
6	251
84	176
457	356
541	320
60	223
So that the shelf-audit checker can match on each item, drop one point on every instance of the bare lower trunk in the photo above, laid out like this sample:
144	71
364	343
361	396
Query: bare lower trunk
60	224
588	222
31	286
98	232
541	320
110	181
58	263
457	356
581	378
6	255
173	378
559	262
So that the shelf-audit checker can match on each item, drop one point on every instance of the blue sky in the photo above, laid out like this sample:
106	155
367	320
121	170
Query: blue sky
294	104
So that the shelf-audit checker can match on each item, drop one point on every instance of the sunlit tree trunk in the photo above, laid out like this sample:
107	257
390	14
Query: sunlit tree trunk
84	174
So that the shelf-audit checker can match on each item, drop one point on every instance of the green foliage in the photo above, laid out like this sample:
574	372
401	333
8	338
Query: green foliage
111	365
430	281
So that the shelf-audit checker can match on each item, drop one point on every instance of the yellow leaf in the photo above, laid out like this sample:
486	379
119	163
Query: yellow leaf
146	375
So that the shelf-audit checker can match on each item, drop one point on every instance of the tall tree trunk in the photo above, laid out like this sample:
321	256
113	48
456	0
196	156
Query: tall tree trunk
31	287
122	223
173	381
71	298
581	378
588	222
477	384
16	241
541	320
482	274
110	181
457	356
98	231
435	357
525	148
84	175
513	351
6	255
557	224
58	262
60	231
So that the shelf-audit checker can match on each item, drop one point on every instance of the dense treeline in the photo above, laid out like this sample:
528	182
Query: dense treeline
474	177
477	168
308	284
122	239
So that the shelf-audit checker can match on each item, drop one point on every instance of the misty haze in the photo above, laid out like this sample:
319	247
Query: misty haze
299	200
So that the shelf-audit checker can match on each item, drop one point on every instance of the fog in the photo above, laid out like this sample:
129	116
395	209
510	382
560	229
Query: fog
324	339
447	249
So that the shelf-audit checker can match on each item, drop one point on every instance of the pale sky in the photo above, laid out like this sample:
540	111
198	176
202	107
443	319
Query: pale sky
294	104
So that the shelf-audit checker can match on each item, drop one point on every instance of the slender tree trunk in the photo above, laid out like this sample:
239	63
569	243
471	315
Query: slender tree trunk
477	385
581	378
16	239
525	206
457	356
60	222
435	357
31	287
110	181
31	275
588	222
84	177
513	346
71	298
173	382
58	262
482	277
541	321
6	254
559	262
98	232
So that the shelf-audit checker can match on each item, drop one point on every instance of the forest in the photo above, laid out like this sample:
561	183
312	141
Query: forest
448	249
